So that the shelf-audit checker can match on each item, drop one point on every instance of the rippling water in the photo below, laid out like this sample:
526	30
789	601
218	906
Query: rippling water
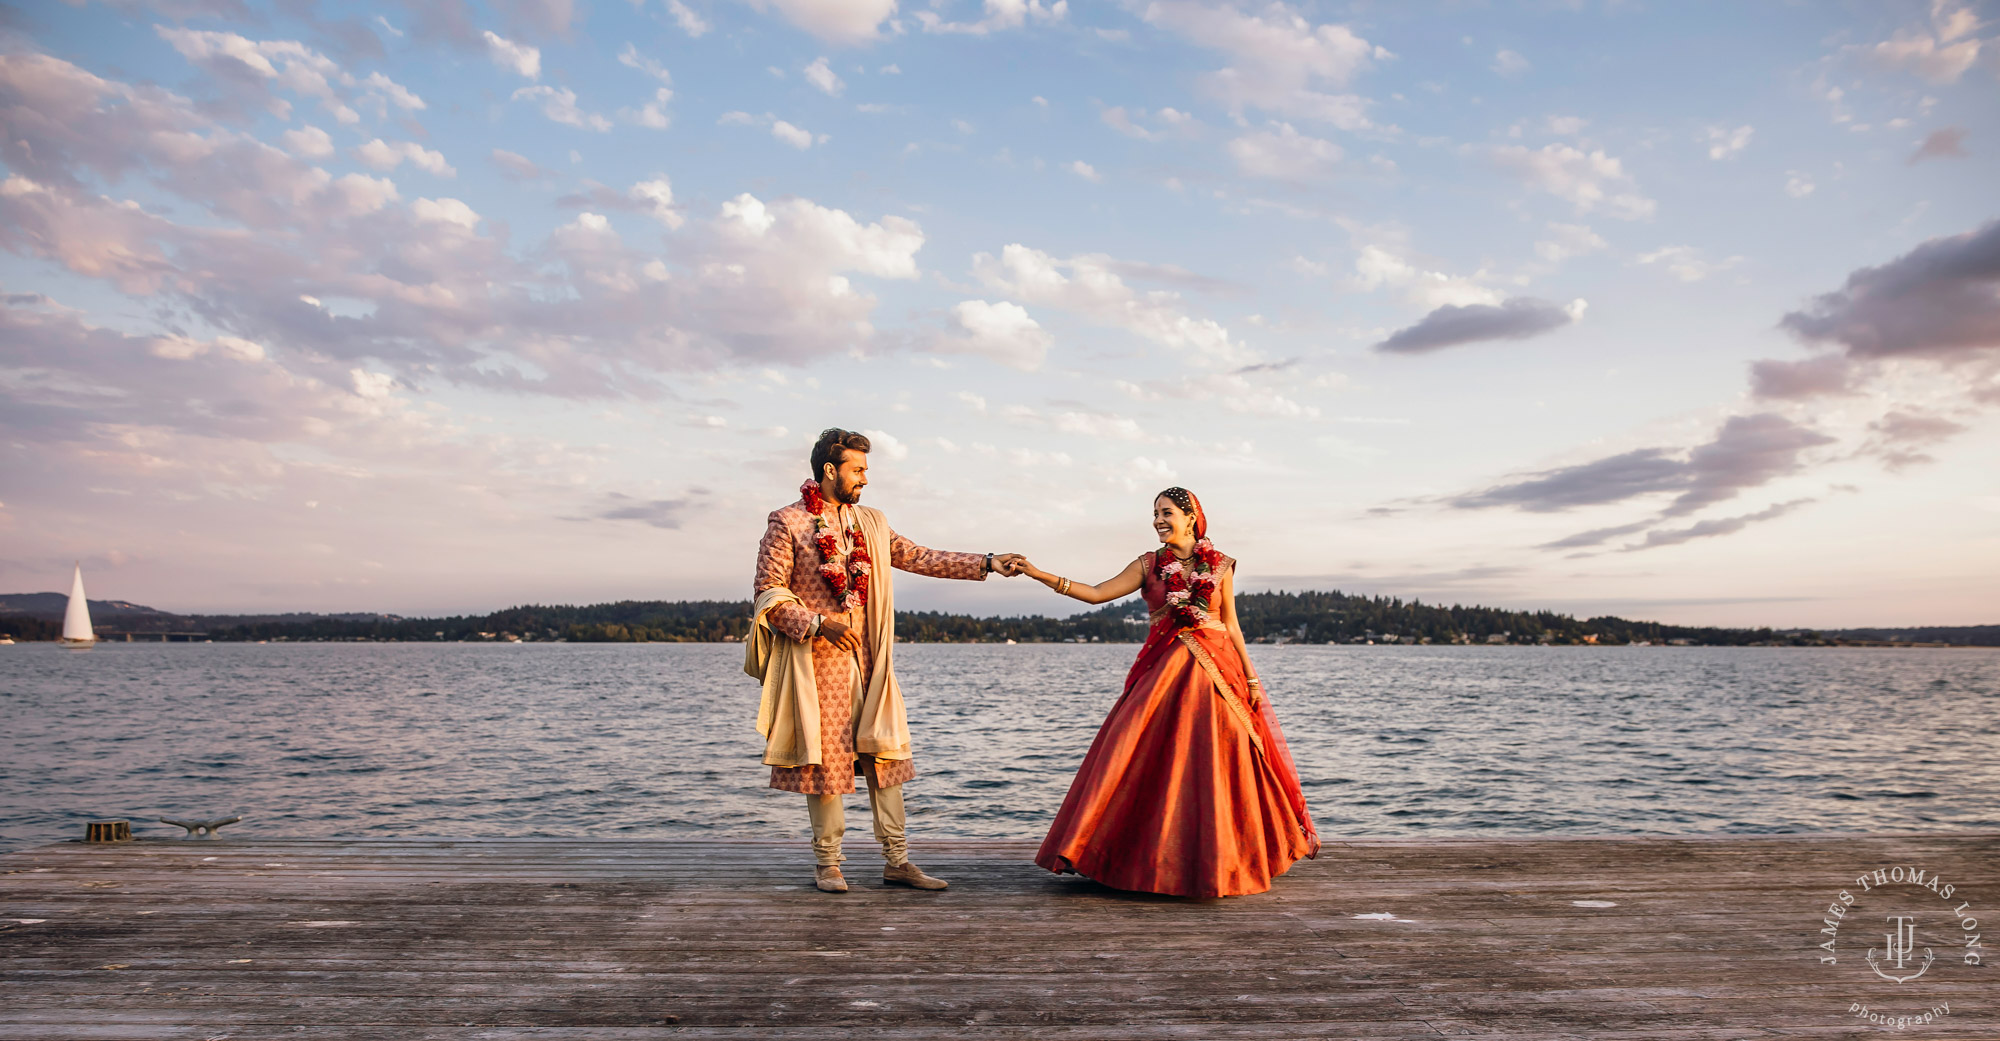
657	740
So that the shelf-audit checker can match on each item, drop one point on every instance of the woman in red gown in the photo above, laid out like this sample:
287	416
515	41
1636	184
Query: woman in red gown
1189	788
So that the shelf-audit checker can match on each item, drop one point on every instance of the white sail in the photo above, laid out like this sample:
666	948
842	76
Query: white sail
76	620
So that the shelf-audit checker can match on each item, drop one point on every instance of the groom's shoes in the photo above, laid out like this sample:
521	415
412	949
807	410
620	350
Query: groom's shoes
908	874
829	879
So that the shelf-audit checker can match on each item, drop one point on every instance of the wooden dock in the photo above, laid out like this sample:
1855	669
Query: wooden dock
1643	938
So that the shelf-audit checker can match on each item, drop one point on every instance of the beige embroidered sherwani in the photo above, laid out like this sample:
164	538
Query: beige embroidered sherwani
787	557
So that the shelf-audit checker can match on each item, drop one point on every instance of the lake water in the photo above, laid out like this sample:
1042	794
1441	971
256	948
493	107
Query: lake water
657	740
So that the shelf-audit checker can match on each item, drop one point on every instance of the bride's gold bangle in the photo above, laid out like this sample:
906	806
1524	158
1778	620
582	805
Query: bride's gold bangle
1062	587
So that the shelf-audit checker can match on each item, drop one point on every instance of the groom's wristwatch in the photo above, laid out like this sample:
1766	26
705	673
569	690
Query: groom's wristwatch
989	563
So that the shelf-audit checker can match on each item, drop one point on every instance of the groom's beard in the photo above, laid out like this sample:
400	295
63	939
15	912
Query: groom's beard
846	493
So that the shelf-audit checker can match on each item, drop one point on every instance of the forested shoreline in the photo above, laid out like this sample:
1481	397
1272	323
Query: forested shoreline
1276	617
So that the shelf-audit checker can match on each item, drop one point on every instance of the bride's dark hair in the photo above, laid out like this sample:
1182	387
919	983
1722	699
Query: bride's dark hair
1189	505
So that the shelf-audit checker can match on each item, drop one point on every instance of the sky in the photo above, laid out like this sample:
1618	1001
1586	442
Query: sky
1684	311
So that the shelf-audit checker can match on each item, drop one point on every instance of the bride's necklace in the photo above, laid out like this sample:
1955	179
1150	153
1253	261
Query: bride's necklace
1190	581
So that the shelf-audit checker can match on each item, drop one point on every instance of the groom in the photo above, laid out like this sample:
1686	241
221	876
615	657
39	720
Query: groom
822	637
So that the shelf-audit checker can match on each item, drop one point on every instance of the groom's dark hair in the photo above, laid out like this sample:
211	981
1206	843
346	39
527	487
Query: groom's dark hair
833	446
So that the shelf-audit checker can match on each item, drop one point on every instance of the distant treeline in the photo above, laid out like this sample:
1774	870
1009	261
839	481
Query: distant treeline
1283	617
23	627
1310	617
1964	635
627	621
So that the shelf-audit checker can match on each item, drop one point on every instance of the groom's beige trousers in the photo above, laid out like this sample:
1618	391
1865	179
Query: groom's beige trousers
829	816
829	821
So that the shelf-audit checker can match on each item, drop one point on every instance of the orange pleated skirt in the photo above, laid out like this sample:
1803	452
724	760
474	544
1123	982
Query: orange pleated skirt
1182	792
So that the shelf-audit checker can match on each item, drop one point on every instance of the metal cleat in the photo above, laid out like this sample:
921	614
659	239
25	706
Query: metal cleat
204	829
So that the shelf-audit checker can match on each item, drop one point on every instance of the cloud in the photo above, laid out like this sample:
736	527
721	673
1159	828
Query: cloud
1597	536
1088	286
543	18
1568	240
1283	154
520	59
1001	331
1948	143
559	104
1280	61
791	135
1085	171
1000	15
685	17
794	254
1940	53
820	75
1105	426
1686	262
1900	437
890	446
341	271
668	514
794	136
847	22
1380	265
1748	451
1510	64
130	399
652	114
1592	181
654	198
309	142
1940	300
1176	276
1517	318
1709	529
1724	143
446	211
381	155
1827	374
1235	391
1798	185
252	72
1127	122
518	167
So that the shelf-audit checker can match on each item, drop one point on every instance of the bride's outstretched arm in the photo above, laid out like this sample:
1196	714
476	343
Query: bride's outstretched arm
1124	583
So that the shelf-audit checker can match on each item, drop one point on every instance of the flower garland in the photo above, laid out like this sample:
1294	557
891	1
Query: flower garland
850	584
1190	586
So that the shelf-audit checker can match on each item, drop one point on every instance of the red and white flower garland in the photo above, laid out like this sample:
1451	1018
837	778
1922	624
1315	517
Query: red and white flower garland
1190	586
850	584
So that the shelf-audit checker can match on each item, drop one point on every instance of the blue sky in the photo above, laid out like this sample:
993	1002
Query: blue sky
1686	311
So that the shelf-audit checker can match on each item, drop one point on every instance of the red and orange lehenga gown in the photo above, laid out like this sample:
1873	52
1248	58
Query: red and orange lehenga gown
1188	790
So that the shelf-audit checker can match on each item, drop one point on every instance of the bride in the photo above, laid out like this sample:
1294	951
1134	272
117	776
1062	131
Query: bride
1189	788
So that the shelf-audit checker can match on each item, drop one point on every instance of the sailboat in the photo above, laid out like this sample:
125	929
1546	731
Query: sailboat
77	634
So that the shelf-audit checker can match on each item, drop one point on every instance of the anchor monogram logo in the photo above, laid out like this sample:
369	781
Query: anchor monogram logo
1900	945
1908	899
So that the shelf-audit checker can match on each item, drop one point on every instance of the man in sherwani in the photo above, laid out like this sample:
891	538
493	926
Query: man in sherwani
837	711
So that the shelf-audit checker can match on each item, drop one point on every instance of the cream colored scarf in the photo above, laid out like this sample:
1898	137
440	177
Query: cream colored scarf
788	712
881	729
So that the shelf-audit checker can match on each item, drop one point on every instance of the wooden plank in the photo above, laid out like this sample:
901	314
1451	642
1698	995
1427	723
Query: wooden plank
1710	937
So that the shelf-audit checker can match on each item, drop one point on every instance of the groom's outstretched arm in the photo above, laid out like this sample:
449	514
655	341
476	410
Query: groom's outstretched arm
774	568
905	555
